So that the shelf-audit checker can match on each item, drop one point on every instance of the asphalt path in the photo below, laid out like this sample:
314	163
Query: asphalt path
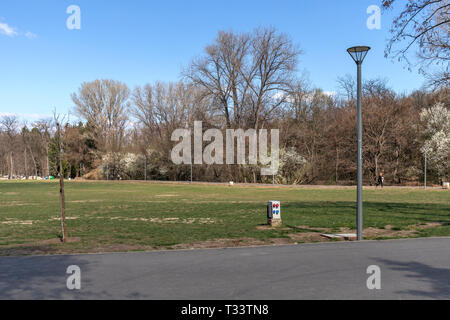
409	269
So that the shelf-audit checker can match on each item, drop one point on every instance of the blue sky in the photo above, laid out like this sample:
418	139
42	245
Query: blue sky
142	41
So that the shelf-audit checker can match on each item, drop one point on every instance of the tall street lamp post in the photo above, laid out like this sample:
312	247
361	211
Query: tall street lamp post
358	54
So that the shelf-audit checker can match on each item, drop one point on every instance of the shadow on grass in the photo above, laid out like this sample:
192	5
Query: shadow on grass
28	250
436	278
376	213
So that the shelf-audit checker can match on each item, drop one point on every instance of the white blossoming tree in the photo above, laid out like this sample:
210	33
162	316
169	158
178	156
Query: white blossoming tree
437	143
293	167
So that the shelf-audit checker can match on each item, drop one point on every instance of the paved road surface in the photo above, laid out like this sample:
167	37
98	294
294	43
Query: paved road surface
410	269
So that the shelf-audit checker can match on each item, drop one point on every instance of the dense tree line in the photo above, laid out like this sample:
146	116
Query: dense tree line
248	81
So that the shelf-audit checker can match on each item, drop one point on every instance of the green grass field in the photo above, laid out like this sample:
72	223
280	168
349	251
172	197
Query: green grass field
128	216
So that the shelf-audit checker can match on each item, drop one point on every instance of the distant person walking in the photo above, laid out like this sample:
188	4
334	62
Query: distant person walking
380	181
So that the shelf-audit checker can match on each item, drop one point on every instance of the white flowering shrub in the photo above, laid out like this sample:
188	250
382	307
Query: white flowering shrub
437	143
110	167
437	118
293	167
131	165
117	166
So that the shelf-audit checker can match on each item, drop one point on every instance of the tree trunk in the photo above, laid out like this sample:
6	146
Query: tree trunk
61	190
48	165
12	164
145	168
25	158
337	165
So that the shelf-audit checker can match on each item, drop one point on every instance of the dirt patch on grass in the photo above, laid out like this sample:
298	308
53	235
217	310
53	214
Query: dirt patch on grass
308	234
16	204
40	247
307	237
220	243
120	248
85	201
268	227
168	220
391	232
17	222
297	234
45	242
67	218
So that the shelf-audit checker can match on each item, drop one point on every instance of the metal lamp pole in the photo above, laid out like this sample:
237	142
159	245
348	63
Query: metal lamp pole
358	54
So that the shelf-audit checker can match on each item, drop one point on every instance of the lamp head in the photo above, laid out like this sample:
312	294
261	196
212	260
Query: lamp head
358	53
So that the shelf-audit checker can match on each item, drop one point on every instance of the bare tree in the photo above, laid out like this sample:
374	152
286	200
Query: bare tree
27	140
58	121
248	75
424	24
104	105
9	125
347	86
219	72
381	108
45	127
272	73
